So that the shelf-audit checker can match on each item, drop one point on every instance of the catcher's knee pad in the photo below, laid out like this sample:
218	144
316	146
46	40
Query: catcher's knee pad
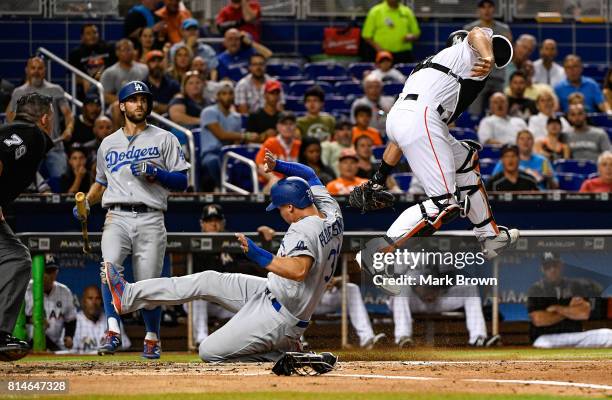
429	223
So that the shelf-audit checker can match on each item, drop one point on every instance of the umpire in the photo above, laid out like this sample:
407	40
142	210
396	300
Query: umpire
24	144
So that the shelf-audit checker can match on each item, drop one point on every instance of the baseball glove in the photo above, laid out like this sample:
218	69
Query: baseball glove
305	364
370	196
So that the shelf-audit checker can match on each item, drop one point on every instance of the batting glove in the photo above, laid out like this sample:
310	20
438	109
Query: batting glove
143	169
76	215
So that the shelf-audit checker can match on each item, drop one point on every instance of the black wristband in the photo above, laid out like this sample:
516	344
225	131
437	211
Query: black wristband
380	177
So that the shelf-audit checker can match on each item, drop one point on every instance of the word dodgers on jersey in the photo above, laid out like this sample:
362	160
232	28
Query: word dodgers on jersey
115	159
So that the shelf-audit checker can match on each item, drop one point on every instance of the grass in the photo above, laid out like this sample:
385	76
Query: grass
320	396
420	354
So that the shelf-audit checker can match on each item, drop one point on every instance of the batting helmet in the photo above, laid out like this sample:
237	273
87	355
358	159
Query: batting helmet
133	88
456	37
293	190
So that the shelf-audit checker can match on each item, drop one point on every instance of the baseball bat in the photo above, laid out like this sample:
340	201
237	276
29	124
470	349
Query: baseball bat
82	211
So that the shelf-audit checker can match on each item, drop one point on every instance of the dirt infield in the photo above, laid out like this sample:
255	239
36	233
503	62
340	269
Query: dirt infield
513	376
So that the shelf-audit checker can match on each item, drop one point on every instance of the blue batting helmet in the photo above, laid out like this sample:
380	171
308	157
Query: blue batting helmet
133	88
293	190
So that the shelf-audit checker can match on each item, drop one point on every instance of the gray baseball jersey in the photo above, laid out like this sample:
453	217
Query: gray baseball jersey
318	238
118	151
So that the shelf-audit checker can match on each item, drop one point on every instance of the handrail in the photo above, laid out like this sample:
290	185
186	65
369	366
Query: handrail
190	142
252	166
156	116
75	71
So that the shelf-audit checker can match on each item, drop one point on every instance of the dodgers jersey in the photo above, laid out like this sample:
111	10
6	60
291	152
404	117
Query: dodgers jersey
319	238
118	151
435	87
59	308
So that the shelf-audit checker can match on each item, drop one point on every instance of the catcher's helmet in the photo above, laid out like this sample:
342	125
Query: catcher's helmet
456	37
133	88
293	190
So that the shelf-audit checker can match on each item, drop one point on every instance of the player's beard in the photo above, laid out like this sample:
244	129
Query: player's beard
131	116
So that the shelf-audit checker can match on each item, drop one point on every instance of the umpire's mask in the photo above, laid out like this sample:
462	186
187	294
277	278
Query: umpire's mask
502	51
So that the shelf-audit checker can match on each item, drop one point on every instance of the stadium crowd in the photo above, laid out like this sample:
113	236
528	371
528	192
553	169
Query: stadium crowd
535	118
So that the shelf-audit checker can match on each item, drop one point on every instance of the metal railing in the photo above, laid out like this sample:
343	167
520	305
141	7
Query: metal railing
74	71
225	184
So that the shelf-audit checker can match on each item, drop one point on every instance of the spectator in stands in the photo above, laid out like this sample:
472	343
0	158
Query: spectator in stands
185	108
91	324
586	142
557	305
60	310
380	105
512	178
331	302
83	124
518	105
551	146
363	116
310	155
6	91
264	120
607	87
190	32
142	16
146	43
342	139
124	70
92	56
497	77
348	179
210	86
536	165
77	178
220	125
102	128
546	69
384	69
238	51
173	14
250	89
161	85
181	63
603	182
430	299
391	26
316	123
593	97
546	110
363	148
499	128
285	146
54	165
532	90
575	98
521	53
244	15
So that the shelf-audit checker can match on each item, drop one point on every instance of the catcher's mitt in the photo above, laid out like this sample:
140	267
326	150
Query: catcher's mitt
370	196
305	363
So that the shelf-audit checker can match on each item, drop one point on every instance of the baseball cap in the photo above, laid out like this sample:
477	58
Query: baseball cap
348	153
550	257
190	23
483	2
509	147
272	85
91	98
381	55
212	211
50	263
153	54
286	116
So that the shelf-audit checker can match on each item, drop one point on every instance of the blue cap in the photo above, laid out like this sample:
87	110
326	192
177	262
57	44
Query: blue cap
293	190
92	98
190	23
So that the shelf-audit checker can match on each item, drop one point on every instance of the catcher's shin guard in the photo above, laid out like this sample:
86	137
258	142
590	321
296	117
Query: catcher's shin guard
472	194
